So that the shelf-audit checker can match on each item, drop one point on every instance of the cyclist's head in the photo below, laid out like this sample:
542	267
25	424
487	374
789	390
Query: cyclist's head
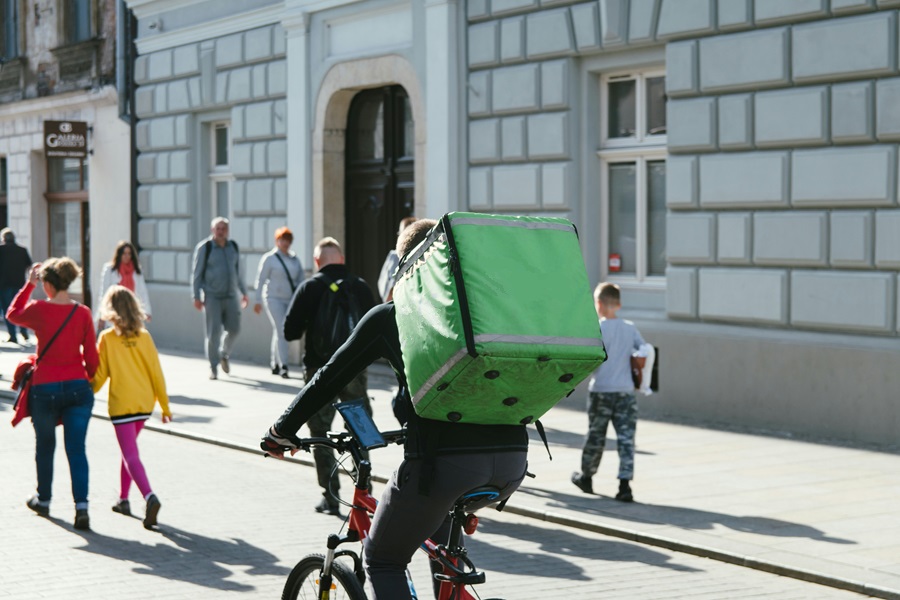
413	234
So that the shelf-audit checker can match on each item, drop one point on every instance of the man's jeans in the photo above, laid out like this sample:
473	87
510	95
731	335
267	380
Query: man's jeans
70	402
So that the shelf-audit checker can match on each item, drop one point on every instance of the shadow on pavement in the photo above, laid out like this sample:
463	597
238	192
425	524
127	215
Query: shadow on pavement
196	559
688	518
268	386
569	439
558	544
188	401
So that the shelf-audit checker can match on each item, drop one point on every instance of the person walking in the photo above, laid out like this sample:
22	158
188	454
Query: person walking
61	388
129	360
216	278
386	277
277	277
124	269
611	396
14	264
326	307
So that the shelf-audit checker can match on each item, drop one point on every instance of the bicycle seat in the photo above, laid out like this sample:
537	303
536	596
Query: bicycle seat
477	498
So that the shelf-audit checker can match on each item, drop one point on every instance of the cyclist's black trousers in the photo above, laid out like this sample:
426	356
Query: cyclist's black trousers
405	518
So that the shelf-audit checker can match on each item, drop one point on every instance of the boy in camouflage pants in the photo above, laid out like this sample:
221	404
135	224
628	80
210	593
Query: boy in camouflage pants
611	395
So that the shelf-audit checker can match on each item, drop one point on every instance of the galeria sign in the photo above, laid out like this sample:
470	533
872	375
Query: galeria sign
65	139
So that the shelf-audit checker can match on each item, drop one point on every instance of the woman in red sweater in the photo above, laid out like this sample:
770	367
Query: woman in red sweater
61	389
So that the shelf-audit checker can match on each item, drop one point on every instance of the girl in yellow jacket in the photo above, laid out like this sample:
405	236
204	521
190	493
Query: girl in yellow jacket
128	358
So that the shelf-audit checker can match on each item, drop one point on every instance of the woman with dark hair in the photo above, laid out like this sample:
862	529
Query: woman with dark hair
278	275
124	269
61	388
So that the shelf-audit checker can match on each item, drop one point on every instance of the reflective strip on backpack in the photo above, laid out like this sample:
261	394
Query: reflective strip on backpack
439	374
486	338
504	223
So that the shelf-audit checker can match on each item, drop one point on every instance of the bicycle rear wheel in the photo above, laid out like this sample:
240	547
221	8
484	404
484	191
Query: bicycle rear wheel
303	582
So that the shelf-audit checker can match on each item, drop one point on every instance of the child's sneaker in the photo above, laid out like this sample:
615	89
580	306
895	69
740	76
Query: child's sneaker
624	494
123	507
583	483
153	506
36	505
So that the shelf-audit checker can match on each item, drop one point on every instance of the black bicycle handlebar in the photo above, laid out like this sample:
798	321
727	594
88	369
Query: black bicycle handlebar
343	440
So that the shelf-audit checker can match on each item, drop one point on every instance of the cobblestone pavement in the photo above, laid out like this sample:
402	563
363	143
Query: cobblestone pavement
234	524
818	512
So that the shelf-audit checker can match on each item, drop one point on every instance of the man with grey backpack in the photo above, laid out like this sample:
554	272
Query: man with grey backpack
326	307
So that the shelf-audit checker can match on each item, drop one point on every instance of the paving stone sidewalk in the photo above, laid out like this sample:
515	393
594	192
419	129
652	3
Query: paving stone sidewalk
234	524
816	512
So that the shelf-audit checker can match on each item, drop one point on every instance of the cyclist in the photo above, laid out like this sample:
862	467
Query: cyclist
442	460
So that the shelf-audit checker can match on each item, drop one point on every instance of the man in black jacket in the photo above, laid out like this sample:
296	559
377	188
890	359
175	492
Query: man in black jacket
14	263
309	299
442	460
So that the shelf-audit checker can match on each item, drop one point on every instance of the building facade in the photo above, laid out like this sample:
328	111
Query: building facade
732	164
59	69
334	118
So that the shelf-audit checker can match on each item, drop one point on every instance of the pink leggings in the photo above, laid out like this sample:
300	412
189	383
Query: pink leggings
132	467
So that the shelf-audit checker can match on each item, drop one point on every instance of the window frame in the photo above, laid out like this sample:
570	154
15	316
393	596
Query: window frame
15	27
639	149
66	22
220	173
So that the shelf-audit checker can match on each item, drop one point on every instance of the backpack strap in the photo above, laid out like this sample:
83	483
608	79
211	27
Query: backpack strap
208	247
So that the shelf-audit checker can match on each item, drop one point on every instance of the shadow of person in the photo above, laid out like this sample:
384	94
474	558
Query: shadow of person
557	543
688	518
189	401
268	386
569	439
184	556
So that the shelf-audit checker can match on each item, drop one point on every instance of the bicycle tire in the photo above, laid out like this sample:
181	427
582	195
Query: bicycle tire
303	581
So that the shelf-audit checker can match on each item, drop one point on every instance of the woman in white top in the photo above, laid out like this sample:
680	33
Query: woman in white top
279	274
124	269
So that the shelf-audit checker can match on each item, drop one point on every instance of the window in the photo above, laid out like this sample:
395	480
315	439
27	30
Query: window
220	175
4	181
9	29
633	169
67	209
78	21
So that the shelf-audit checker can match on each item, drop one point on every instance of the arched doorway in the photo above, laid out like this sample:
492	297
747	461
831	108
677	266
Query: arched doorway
379	176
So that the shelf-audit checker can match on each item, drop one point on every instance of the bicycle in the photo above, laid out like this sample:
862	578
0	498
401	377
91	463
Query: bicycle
323	577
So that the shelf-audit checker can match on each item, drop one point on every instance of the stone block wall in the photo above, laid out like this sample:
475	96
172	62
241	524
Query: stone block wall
523	105
243	77
784	119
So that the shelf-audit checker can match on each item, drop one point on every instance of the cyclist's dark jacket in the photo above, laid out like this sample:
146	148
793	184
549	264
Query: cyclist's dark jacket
376	337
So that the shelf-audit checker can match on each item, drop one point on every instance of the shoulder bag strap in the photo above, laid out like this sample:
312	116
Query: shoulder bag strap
286	272
53	339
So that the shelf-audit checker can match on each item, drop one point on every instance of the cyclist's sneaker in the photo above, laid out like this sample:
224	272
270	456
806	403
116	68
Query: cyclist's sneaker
153	506
275	444
624	494
226	366
123	507
37	506
82	520
583	483
328	509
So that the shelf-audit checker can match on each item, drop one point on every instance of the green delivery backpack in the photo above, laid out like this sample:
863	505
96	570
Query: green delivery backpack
496	318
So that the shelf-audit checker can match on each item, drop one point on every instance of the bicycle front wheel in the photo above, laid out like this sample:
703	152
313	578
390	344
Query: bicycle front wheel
305	578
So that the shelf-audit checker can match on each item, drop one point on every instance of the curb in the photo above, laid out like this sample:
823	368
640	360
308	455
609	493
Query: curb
574	523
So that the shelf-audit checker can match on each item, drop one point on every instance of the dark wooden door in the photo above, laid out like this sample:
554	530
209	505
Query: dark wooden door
380	180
